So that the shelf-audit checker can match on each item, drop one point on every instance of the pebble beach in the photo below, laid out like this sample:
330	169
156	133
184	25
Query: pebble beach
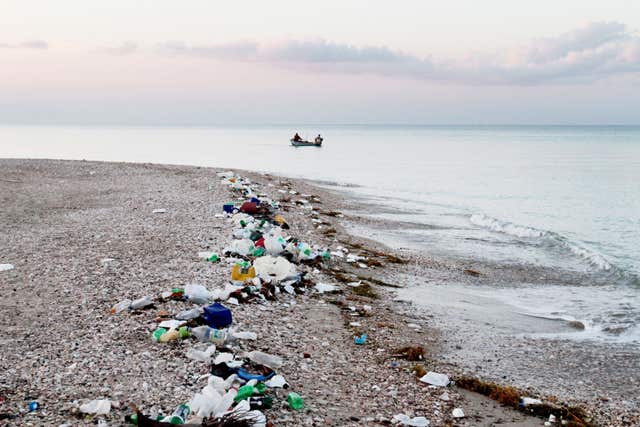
82	236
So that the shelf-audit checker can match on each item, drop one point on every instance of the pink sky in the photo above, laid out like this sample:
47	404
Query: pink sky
135	67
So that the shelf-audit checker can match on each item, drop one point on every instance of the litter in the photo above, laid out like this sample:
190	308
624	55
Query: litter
243	271
277	381
158	211
324	287
295	401
207	334
189	314
406	420
97	407
458	413
121	306
6	267
268	360
361	340
526	401
197	294
201	355
245	335
171	324
274	268
217	316
141	303
436	379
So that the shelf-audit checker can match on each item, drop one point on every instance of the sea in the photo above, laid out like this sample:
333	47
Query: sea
560	197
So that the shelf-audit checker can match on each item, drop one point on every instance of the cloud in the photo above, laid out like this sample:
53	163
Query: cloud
29	44
242	50
595	51
125	48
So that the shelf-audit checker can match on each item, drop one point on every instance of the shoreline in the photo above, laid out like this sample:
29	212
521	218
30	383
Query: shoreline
77	218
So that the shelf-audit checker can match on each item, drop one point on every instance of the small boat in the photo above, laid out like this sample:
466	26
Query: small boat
303	143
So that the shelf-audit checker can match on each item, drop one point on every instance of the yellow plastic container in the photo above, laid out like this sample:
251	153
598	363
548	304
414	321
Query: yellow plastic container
242	274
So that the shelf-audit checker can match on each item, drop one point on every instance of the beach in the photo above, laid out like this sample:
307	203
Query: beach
83	236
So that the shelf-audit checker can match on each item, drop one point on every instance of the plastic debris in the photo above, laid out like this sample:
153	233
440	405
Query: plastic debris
202	355
435	379
141	303
405	420
33	406
361	340
244	335
197	294
526	401
189	314
158	211
171	324
121	306
277	381
295	401
268	360
6	267
97	407
324	287
274	268
217	316
458	413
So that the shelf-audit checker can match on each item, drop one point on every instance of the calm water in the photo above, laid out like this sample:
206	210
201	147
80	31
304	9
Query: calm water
563	197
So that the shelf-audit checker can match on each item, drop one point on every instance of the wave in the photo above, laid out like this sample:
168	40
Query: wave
505	226
592	257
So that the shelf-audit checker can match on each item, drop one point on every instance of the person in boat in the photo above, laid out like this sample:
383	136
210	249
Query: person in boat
318	139
296	137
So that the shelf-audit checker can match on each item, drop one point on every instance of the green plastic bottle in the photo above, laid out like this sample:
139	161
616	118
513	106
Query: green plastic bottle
179	416
157	334
245	392
295	401
260	388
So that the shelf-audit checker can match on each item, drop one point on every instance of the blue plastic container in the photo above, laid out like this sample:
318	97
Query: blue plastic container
228	208
217	316
255	200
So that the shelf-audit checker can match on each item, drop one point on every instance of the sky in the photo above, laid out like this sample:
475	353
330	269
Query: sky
255	62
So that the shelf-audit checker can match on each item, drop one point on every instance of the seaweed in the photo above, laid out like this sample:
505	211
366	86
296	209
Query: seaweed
411	353
510	396
471	272
419	370
331	213
365	290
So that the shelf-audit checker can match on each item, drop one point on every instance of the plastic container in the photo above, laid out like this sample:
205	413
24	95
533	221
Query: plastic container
295	401
268	360
207	334
243	271
217	316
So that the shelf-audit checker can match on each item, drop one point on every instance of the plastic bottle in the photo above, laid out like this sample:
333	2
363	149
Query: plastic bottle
245	392
157	334
179	416
174	334
243	271
141	303
121	306
295	401
262	402
268	360
208	334
188	314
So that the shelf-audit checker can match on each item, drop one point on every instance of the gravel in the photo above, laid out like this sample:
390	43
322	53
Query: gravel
83	236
